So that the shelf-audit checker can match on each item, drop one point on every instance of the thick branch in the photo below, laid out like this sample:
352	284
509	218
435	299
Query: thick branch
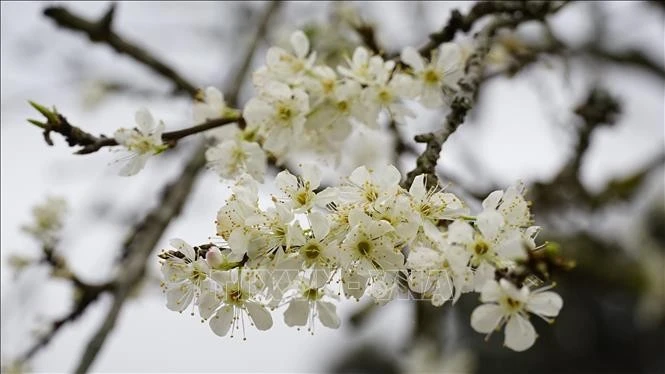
101	32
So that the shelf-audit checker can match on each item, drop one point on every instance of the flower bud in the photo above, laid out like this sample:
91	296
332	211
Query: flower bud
214	257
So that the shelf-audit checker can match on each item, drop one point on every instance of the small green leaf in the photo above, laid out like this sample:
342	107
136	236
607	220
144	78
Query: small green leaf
51	116
37	123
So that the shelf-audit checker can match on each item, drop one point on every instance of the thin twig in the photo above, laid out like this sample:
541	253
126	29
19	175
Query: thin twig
142	241
75	136
469	84
86	293
101	32
463	23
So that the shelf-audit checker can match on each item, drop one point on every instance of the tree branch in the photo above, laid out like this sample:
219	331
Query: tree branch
141	242
75	136
85	294
101	32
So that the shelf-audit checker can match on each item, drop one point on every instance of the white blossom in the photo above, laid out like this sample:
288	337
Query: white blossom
210	104
285	66
236	294
505	304
279	115
309	303
235	154
435	81
142	142
185	279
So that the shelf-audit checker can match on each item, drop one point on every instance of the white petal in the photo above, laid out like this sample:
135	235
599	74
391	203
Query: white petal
354	284
449	56
492	200
412	58
286	181
489	223
134	165
511	246
259	315
327	314
278	90
444	291
221	322
418	189
300	43
460	232
144	120
508	288
387	176
546	304
360	56
419	281
312	173
179	297
491	292
360	175
297	313
215	98
208	303
320	225
432	231
520	334
183	247
486	318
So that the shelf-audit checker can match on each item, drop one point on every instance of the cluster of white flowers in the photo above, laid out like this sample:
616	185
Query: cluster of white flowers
366	237
303	106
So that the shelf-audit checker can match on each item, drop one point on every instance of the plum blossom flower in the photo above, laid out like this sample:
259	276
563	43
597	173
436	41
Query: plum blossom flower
235	154
308	303
141	142
435	81
433	206
439	274
185	279
279	114
237	293
371	186
300	190
285	66
506	304
210	104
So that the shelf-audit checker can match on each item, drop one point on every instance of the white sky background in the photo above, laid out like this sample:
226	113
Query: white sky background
511	138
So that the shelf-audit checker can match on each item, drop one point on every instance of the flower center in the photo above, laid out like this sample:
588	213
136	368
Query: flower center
311	294
302	197
426	209
431	76
385	96
481	247
328	85
512	304
234	295
284	113
364	248
371	194
312	251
